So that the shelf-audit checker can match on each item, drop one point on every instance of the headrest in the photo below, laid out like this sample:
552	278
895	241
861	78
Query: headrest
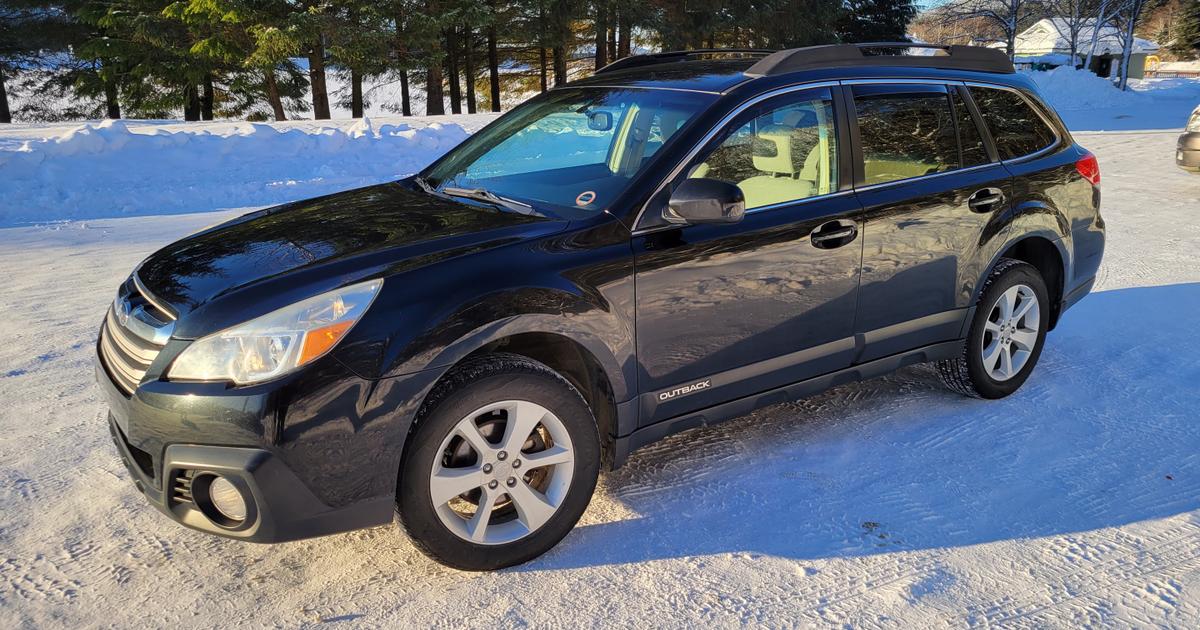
772	150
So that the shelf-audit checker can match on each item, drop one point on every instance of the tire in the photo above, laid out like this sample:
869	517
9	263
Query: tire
971	373
492	394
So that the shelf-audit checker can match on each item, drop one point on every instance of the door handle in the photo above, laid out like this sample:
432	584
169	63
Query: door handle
833	234
985	199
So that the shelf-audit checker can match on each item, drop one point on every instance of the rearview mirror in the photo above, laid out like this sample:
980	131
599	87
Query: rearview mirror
599	121
704	200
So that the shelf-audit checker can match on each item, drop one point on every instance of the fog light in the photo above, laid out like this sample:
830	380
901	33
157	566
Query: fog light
227	499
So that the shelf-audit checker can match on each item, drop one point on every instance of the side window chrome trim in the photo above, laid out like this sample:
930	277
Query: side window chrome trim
712	133
925	177
1037	109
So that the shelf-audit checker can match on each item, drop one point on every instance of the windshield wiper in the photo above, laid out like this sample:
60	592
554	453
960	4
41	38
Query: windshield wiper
487	196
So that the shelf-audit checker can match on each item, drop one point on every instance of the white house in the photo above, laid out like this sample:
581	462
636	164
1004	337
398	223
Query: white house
1047	43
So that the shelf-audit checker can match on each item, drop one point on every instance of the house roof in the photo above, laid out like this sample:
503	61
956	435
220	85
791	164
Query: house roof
1049	35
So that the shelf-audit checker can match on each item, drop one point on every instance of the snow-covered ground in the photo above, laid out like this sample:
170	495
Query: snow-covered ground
890	503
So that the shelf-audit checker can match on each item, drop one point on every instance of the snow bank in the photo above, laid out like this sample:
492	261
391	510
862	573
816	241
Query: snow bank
115	168
1068	89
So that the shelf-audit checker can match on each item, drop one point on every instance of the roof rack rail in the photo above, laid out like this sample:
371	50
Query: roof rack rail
636	61
974	58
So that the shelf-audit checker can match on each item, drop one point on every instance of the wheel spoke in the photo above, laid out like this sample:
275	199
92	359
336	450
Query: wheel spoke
1007	301
523	417
1024	309
477	526
1025	339
992	327
1006	369
991	356
549	457
533	509
447	483
469	431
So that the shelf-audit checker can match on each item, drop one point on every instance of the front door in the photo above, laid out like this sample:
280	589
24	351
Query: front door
725	311
930	201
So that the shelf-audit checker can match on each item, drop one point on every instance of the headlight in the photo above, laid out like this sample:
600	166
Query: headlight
278	342
1194	123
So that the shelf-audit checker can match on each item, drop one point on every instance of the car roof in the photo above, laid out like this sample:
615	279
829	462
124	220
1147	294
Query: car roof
696	75
704	71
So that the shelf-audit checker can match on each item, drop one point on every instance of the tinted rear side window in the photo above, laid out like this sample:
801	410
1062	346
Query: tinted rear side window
1016	128
905	135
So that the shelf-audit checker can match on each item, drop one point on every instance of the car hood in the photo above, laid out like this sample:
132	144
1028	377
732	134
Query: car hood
294	249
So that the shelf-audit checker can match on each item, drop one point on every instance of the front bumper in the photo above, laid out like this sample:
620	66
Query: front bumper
313	454
279	506
1187	152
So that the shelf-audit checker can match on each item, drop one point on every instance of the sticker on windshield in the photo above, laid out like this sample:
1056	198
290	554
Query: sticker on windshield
585	198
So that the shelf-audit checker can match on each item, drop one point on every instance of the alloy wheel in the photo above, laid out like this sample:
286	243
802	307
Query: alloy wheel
503	472
1010	333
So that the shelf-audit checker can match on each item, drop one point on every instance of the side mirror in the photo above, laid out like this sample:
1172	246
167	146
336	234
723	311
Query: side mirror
704	200
600	120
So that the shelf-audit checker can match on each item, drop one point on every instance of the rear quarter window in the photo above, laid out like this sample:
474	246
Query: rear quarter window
1016	128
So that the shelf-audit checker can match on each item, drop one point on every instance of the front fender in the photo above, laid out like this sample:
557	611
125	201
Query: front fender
577	284
596	331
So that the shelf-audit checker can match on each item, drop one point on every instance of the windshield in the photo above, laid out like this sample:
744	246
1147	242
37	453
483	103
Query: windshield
573	147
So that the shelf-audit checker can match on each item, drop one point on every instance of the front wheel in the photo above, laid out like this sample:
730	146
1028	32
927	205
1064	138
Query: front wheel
502	464
1012	316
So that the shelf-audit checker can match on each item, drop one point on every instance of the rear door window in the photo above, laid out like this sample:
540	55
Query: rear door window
905	132
1016	128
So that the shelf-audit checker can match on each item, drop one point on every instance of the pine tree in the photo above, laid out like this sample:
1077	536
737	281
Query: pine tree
1186	42
876	20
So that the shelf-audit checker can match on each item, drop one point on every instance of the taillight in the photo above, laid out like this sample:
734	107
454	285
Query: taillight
1089	168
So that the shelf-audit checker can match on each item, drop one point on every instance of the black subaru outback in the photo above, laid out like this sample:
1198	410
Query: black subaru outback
680	239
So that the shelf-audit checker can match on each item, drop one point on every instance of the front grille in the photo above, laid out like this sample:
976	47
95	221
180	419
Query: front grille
134	332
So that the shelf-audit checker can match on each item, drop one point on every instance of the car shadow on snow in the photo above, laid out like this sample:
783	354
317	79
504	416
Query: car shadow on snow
1104	434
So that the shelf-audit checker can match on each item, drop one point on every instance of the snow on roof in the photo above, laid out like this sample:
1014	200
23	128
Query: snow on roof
1049	35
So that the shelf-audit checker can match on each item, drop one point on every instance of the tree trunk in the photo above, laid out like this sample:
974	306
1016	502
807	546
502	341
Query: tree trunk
110	99
542	65
624	47
191	102
273	95
452	70
612	30
601	34
5	114
1127	49
316	80
356	96
208	98
1087	64
469	68
435	105
493	68
560	65
405	100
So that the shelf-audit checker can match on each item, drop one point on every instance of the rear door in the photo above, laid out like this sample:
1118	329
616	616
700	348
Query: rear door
932	188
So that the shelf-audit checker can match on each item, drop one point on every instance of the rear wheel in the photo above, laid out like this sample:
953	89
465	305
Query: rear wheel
502	464
1009	328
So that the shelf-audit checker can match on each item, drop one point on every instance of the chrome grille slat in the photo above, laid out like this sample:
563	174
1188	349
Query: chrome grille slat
128	350
144	353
